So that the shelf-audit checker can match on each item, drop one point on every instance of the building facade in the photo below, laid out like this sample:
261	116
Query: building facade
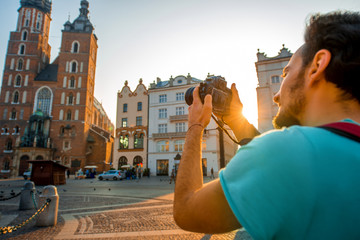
168	116
269	71
47	109
130	146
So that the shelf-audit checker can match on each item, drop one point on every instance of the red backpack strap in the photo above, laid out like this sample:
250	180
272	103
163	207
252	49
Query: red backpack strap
346	129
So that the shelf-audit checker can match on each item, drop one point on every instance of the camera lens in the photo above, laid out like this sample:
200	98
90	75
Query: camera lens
189	96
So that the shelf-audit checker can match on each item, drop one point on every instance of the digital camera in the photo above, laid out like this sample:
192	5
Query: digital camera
221	95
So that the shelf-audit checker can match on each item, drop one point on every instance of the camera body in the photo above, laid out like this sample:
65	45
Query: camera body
221	95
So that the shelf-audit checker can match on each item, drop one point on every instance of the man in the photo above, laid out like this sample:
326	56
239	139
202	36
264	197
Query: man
300	182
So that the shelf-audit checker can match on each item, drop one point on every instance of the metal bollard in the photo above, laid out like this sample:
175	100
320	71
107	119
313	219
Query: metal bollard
26	197
49	216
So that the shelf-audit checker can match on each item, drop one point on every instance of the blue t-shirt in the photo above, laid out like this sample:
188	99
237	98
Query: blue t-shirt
296	183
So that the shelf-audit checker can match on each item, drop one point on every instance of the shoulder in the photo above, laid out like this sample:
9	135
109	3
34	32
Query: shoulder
289	148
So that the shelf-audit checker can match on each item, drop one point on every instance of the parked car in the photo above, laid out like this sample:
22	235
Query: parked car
111	174
27	175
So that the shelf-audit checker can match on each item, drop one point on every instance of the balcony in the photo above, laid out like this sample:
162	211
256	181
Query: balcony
169	135
179	118
175	135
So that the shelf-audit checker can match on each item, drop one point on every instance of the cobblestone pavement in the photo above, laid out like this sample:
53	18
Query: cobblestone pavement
92	209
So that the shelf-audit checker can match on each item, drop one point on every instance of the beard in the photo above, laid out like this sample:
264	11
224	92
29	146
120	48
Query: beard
284	119
288	116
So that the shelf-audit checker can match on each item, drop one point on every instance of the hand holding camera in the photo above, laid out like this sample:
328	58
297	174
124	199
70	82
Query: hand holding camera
216	87
226	105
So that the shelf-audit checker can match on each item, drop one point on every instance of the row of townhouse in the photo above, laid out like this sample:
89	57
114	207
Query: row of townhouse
151	126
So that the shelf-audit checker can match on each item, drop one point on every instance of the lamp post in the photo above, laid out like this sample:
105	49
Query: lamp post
221	144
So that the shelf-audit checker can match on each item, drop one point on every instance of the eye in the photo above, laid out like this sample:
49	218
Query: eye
284	75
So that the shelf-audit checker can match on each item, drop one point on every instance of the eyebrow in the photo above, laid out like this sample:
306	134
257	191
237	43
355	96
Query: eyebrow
286	69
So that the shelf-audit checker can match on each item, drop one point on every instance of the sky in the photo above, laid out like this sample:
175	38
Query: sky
163	38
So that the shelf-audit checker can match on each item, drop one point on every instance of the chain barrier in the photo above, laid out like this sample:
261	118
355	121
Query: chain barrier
13	196
33	198
9	229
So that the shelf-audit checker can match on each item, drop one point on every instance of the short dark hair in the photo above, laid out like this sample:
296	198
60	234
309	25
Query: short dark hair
338	32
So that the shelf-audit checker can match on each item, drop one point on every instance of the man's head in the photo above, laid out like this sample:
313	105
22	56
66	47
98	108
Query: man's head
339	34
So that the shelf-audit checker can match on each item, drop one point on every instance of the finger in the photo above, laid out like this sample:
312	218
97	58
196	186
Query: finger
196	96
208	103
234	90
235	93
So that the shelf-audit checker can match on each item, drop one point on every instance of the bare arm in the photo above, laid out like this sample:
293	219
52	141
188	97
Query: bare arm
199	207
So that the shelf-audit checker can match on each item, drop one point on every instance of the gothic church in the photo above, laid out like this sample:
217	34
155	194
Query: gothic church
48	110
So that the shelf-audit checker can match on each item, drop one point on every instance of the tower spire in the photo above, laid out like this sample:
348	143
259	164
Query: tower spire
82	22
84	10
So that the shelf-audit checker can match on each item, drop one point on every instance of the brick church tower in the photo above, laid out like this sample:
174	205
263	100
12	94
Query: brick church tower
47	110
74	98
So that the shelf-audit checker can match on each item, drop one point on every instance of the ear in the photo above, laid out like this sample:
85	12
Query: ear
317	68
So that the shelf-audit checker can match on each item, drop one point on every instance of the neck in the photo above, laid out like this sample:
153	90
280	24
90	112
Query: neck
324	107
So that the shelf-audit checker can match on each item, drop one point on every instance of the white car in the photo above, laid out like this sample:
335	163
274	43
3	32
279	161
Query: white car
27	175
111	174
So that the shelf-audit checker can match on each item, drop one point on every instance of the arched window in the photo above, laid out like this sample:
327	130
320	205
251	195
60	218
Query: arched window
61	114
73	67
38	21
122	161
75	47
73	130
7	164
72	82
8	145
71	99
20	64
21	49
21	115
62	130
5	114
5	130
16	97
27	18
124	142
24	35
137	160
39	157
43	100
139	140
13	114
17	130
68	115
18	81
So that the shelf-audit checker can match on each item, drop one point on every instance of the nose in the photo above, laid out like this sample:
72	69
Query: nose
276	98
